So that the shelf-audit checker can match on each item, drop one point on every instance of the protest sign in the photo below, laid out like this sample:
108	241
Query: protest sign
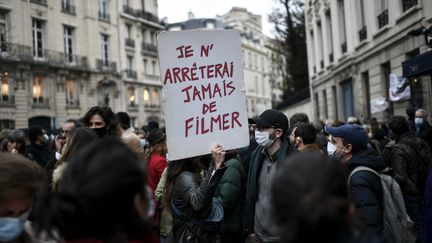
204	92
399	88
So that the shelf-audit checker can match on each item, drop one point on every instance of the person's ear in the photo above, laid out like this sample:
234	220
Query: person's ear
348	149
140	205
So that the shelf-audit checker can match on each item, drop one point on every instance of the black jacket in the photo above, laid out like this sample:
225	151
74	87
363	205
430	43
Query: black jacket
193	197
425	133
40	153
404	161
365	189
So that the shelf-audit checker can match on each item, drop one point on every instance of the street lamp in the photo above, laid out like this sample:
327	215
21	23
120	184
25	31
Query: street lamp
106	84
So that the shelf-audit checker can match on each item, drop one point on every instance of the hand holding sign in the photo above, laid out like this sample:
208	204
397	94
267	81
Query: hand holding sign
204	99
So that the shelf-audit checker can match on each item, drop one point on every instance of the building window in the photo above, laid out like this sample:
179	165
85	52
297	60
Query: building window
362	20
37	29
68	6
329	35
385	72
132	96
342	26
366	87
3	31
250	59
154	67
145	66
320	45
5	87
155	98
68	44
256	84
103	10
382	13
72	93
129	30
317	107
146	97
256	61
262	64
407	4
7	124
325	104
313	54
38	90
105	49
347	98
335	102
129	67
263	86
143	4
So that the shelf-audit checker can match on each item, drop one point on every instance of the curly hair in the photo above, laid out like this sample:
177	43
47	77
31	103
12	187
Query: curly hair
111	124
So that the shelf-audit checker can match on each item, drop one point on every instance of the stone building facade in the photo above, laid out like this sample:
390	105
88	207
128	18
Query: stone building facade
354	46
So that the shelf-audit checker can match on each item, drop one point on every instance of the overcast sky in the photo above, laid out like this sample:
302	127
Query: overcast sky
177	10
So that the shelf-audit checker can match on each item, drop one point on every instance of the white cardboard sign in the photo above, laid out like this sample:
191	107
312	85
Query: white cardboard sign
204	91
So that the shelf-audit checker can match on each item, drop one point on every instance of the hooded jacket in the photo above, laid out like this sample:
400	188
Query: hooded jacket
365	188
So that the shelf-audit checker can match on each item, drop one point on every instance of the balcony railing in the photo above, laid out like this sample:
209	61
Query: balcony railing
363	33
131	74
146	15
130	42
344	47
19	53
407	4
42	2
7	100
106	65
40	101
331	57
72	103
104	16
149	47
68	8
383	19
152	107
128	10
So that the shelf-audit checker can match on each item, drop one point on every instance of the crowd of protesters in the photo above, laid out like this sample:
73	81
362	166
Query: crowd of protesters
98	179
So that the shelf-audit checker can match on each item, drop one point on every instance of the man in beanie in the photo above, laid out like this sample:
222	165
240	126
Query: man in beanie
271	129
349	145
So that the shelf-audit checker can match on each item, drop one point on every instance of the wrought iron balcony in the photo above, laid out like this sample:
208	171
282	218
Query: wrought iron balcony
26	54
363	33
106	65
40	101
131	74
152	108
42	2
383	19
68	7
344	47
7	100
331	57
146	15
128	10
407	4
130	42
104	16
149	47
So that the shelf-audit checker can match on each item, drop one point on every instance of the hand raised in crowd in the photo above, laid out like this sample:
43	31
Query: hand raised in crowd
218	155
59	142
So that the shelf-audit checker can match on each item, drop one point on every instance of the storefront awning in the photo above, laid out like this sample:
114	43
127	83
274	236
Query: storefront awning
417	65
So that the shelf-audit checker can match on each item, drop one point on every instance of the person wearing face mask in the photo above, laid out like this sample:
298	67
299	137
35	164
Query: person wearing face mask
102	197
16	197
349	145
103	122
303	137
423	128
38	148
273	145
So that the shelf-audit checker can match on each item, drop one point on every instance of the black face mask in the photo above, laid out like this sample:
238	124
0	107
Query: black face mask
101	132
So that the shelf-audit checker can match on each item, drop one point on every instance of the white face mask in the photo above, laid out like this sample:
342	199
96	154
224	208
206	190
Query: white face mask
331	148
263	139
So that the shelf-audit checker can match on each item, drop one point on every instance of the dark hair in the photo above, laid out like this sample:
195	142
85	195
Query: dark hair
20	174
298	117
174	168
34	132
76	123
123	119
309	194
306	131
97	192
107	115
398	125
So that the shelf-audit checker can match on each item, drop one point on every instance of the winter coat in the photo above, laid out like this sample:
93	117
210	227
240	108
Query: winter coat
365	189
425	133
428	218
404	161
156	165
193	198
165	223
40	153
230	193
255	166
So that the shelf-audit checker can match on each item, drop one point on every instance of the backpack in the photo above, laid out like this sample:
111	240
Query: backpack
424	163
398	226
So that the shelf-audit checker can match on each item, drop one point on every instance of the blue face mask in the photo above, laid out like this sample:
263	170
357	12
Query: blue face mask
418	121
12	228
